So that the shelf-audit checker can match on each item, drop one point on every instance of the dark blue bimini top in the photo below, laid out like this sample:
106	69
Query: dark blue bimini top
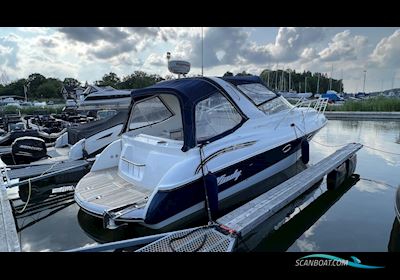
189	92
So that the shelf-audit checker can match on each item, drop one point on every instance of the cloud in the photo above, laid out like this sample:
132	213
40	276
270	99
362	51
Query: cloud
8	51
221	46
343	47
107	42
47	43
386	52
156	60
91	35
82	34
110	50
291	43
38	30
144	31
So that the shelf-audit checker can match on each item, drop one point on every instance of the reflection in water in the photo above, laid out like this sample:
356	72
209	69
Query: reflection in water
282	238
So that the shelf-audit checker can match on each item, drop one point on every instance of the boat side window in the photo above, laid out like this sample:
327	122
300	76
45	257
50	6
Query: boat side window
148	112
214	116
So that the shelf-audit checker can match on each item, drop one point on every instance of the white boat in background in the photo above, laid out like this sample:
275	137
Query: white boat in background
192	136
95	97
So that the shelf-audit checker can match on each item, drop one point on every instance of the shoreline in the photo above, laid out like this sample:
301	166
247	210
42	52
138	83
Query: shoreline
358	115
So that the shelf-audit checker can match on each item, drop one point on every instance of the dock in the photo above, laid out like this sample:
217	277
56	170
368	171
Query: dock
9	241
362	116
247	217
241	221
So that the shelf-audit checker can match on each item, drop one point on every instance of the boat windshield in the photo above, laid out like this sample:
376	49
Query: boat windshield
266	100
103	114
89	90
257	92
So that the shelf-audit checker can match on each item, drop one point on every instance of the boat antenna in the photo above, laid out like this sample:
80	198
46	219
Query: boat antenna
202	51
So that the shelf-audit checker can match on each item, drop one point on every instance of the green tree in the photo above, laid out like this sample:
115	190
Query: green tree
110	79
49	89
14	88
243	73
139	79
34	81
71	82
228	74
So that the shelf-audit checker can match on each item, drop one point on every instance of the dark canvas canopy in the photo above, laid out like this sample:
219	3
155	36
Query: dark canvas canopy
189	92
89	129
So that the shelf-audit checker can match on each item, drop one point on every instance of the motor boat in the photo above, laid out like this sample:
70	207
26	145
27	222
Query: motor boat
95	97
77	142
232	132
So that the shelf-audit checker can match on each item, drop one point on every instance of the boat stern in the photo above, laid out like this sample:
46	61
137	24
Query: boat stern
104	193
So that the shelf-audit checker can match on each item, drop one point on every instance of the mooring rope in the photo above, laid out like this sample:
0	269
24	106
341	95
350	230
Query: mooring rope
29	197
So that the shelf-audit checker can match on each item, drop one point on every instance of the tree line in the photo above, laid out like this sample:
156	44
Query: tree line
281	80
290	80
38	86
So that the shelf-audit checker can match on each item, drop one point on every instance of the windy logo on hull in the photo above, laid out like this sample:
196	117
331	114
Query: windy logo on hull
234	176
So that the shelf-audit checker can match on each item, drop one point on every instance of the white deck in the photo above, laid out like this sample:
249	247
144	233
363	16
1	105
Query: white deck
108	190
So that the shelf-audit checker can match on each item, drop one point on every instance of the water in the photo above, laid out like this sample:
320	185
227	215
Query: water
357	218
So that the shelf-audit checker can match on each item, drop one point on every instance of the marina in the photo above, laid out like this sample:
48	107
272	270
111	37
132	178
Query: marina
272	158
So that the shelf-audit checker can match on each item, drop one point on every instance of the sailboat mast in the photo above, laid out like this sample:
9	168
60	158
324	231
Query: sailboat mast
365	75
202	51
318	83
330	79
305	84
341	81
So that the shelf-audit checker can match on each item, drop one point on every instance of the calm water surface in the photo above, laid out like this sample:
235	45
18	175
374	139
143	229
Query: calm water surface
361	218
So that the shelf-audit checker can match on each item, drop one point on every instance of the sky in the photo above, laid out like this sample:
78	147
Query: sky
87	53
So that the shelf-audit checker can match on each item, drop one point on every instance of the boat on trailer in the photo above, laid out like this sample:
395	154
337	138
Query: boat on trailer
232	132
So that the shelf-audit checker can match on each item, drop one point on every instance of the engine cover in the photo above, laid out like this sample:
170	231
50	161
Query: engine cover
28	149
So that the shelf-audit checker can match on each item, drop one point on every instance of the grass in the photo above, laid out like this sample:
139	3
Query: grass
378	104
31	110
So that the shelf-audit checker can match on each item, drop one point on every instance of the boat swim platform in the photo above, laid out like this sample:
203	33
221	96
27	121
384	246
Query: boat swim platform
9	241
241	221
